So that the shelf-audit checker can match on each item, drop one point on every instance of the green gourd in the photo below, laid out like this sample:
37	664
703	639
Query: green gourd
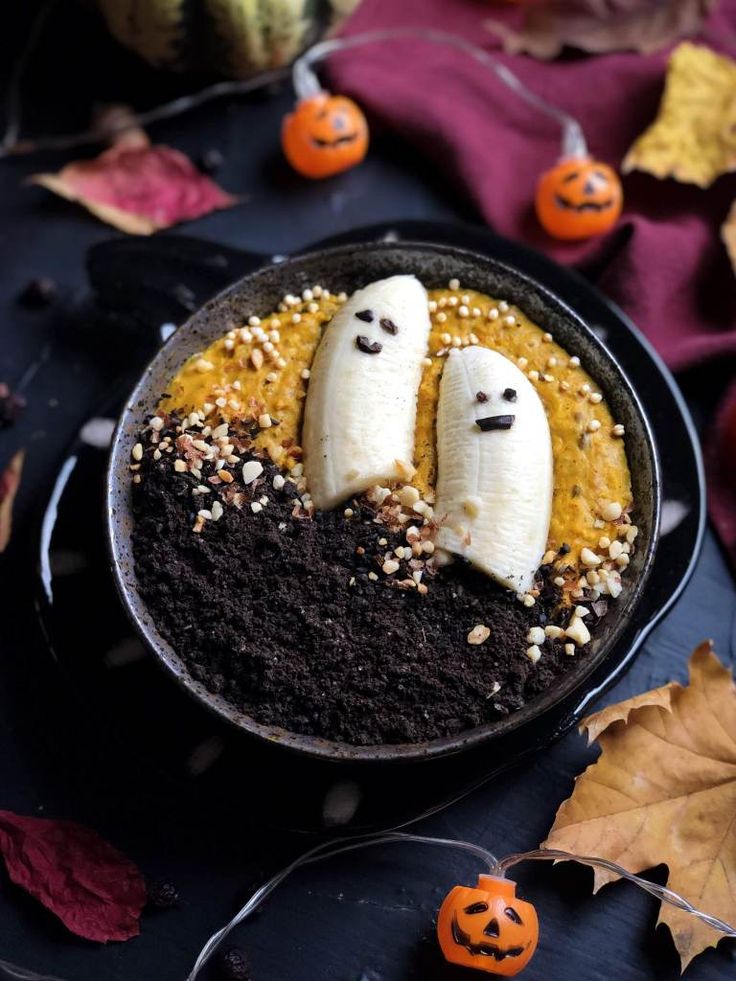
235	38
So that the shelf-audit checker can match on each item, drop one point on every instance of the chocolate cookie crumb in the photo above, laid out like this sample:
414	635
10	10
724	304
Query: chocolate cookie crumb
233	965
163	894
291	619
38	292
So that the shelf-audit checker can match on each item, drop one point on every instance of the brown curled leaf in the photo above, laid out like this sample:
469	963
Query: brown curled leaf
663	792
598	26
728	234
9	484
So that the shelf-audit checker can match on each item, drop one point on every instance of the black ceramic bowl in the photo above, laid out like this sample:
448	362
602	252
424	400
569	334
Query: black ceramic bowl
348	268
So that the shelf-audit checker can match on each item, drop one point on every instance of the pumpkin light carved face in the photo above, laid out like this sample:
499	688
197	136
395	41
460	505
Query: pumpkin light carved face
578	198
325	135
488	928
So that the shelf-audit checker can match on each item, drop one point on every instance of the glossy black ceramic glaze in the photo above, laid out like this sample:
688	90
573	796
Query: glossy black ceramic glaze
348	268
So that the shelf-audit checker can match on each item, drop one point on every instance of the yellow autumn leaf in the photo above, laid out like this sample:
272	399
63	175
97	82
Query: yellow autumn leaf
663	791
597	723
9	484
693	138
728	234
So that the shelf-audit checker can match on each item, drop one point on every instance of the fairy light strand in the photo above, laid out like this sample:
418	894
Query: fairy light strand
659	892
305	83
496	867
328	849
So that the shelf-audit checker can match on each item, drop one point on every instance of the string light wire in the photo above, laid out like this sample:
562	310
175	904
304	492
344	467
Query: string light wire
495	866
305	83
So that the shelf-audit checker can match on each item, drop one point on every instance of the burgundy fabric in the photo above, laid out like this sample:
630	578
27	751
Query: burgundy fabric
664	263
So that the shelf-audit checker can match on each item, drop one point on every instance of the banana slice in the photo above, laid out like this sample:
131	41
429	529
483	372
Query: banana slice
361	405
494	454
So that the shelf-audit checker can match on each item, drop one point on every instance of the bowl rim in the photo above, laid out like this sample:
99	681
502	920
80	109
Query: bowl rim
315	746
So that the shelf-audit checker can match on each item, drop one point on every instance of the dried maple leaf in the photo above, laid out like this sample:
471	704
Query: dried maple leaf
663	791
597	723
93	888
728	234
693	138
602	25
9	484
134	186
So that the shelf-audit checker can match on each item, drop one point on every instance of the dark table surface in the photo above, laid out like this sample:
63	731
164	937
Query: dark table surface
368	916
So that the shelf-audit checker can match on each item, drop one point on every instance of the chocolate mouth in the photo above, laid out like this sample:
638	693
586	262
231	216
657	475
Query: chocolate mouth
585	206
482	949
338	141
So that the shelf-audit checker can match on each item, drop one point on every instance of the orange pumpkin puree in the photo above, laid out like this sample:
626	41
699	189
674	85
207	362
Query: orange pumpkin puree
590	467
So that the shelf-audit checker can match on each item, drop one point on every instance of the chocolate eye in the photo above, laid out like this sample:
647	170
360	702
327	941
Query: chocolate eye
512	915
600	176
339	122
476	908
571	177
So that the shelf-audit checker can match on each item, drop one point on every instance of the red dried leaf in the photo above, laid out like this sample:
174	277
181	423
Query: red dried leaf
9	484
137	187
93	888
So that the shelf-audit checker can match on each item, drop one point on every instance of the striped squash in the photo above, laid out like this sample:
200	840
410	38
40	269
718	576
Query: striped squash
236	38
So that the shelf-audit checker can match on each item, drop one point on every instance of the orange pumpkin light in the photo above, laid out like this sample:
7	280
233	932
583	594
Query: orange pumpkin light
488	928
324	135
578	198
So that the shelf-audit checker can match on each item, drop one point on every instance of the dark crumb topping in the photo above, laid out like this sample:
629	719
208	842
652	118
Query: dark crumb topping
292	619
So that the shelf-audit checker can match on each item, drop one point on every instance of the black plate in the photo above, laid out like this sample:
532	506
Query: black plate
172	276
